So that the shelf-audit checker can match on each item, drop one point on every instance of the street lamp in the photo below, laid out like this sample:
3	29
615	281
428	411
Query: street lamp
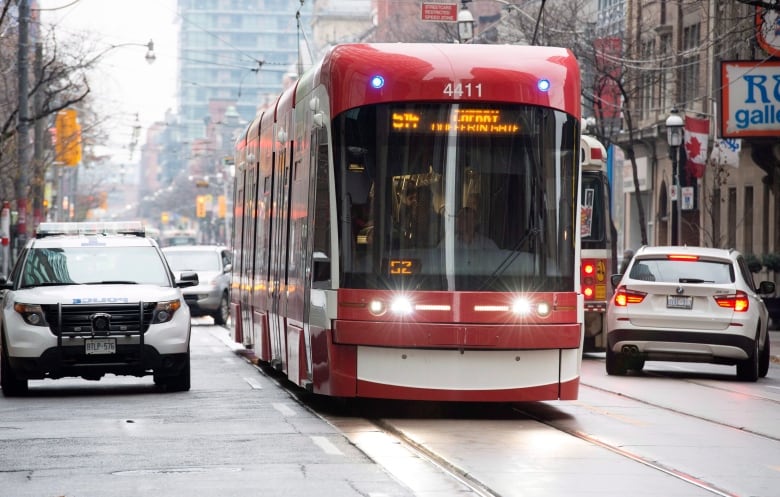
465	23
674	137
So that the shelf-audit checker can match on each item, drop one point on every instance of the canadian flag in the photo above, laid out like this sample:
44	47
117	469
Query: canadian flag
697	133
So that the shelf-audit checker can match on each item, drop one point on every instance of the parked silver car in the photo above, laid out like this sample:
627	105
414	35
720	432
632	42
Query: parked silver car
213	263
688	304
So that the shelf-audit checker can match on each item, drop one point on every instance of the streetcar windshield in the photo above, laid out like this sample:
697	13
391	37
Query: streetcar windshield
466	197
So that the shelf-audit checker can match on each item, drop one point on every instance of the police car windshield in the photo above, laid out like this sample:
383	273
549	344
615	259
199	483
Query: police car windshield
91	265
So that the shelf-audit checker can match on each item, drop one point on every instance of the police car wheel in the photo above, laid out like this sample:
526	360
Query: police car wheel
11	385
176	383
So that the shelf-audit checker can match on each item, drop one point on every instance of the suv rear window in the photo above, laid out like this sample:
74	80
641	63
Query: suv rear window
675	271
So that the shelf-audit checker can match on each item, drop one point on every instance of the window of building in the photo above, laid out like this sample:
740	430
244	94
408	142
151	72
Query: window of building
664	84
747	225
732	218
647	88
690	63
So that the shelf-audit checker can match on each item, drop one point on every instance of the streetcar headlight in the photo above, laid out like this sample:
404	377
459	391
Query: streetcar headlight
401	305
521	306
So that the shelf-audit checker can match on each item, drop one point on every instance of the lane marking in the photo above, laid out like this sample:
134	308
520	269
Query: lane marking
284	409
326	446
253	383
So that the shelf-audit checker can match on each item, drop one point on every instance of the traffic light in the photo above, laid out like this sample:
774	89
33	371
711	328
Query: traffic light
200	206
67	147
221	206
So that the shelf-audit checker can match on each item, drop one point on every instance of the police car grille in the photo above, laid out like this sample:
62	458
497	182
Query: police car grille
77	319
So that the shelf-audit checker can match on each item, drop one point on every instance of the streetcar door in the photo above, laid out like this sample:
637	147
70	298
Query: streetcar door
278	281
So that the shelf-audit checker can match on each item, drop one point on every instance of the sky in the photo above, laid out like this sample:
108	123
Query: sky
124	84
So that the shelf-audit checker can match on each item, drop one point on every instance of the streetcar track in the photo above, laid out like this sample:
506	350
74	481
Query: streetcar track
479	488
680	475
689	415
462	476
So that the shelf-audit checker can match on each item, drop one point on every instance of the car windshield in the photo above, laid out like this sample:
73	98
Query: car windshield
92	265
193	261
677	271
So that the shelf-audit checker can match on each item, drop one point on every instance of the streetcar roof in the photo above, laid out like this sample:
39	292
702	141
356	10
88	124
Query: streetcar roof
361	74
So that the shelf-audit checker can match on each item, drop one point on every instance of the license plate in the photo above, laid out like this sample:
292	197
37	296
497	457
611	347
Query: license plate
100	346
679	302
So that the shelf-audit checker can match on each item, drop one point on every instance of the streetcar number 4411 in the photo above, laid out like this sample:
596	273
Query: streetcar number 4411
460	90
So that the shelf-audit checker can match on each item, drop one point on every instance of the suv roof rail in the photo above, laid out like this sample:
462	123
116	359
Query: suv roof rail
135	228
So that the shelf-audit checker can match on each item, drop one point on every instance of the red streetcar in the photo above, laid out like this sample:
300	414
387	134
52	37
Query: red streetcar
407	225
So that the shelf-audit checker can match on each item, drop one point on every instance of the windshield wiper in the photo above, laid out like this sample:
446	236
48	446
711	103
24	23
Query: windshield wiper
694	280
111	282
49	283
511	257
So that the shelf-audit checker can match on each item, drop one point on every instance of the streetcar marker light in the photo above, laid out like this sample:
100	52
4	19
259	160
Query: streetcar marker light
377	82
543	85
376	307
543	309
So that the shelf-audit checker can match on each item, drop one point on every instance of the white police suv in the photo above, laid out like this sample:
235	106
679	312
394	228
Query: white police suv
88	299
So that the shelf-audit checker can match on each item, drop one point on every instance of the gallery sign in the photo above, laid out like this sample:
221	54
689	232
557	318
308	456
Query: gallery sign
750	99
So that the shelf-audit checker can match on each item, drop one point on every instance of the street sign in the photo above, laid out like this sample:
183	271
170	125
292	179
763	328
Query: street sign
439	10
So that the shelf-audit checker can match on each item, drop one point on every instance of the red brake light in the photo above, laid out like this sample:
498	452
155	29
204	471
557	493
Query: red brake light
682	257
588	268
739	301
588	292
624	296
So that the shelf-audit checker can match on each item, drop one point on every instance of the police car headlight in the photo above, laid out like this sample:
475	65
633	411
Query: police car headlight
31	313
164	311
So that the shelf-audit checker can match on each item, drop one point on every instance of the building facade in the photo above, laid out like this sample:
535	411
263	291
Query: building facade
713	190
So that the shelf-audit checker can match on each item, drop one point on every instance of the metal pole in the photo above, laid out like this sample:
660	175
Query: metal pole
23	126
678	197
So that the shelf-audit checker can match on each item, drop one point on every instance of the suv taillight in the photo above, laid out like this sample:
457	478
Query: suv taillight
739	301
624	296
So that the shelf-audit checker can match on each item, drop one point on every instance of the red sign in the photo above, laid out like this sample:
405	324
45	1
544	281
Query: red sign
442	11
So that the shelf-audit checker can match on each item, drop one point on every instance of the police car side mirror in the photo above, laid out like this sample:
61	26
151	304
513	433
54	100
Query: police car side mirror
189	278
228	268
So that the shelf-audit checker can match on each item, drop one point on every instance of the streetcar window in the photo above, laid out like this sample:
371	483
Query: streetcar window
404	172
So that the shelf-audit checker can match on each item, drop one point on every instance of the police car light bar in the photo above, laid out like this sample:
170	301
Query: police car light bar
89	228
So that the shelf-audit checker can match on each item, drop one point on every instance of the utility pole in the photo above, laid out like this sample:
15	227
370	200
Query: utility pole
23	126
36	190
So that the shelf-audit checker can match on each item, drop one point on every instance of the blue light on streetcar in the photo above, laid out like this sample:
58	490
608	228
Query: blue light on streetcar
543	85
377	82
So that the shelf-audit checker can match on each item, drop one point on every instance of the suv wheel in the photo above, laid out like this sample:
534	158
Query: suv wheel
223	312
616	363
12	385
748	369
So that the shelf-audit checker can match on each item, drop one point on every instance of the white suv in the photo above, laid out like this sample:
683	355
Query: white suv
688	304
88	299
